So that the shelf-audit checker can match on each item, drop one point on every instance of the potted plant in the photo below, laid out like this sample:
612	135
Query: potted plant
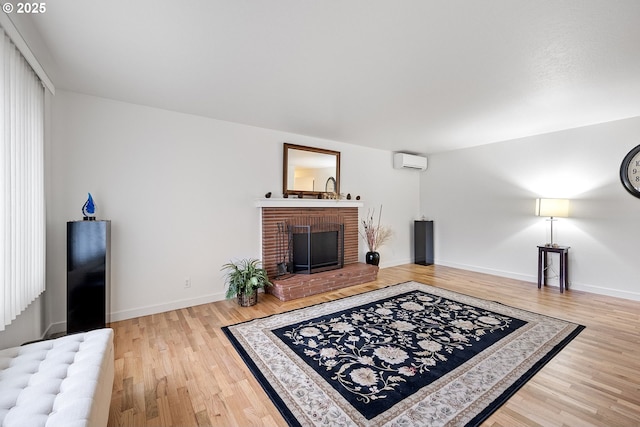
243	279
375	235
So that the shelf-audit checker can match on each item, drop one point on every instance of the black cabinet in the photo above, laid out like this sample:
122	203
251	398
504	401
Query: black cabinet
423	242
88	265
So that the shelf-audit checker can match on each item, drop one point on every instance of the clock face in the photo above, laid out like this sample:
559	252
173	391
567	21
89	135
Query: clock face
630	172
633	171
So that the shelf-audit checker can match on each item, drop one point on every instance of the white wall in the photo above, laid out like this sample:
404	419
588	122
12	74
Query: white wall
180	192
482	200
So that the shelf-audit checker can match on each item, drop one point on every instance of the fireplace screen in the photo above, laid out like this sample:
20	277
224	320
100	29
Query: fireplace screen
316	246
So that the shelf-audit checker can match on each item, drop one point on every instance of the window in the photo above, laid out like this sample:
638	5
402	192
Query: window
22	210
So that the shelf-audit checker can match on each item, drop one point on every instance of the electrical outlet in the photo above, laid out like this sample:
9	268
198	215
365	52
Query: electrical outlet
187	282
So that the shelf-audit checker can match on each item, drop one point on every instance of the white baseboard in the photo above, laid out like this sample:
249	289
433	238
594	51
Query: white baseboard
205	299
161	308
501	273
394	262
116	316
635	296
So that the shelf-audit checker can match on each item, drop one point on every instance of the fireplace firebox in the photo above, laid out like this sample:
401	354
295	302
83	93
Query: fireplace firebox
316	247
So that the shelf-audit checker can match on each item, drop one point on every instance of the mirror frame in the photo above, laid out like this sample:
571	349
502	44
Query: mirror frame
285	170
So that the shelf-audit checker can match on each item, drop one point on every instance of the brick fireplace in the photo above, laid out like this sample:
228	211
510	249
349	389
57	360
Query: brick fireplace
291	286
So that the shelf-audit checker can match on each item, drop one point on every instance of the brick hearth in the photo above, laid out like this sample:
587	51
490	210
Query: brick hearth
303	285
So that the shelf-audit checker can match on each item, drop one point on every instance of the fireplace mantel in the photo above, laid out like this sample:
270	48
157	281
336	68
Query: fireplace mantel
307	203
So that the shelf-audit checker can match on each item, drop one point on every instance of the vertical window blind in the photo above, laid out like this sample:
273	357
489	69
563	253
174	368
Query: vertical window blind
22	207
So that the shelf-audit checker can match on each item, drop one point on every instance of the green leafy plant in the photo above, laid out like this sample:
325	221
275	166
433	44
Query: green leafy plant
245	277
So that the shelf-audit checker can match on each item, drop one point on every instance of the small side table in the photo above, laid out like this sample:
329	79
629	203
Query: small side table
563	251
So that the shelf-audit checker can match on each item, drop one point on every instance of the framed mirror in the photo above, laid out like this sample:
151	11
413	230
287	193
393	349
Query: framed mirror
309	171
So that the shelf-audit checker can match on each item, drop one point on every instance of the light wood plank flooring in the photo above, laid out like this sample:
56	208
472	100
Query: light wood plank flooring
178	369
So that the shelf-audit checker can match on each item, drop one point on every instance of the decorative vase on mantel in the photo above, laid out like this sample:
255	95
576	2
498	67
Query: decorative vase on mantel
372	258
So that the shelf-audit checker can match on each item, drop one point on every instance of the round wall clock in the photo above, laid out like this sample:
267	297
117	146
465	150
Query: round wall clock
630	172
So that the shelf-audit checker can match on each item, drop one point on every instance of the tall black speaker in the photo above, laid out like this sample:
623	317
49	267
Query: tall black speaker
423	242
88	272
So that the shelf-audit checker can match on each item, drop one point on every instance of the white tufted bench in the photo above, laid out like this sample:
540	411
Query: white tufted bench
62	382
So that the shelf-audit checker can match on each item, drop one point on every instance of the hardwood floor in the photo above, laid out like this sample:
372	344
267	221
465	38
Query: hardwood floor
178	369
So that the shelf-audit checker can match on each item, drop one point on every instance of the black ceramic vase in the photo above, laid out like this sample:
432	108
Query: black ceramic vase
372	258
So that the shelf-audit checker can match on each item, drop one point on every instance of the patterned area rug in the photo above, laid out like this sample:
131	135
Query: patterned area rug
410	354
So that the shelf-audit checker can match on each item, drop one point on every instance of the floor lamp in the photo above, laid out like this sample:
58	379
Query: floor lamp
553	208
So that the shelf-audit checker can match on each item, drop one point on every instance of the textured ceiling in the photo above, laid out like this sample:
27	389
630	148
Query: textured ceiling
420	76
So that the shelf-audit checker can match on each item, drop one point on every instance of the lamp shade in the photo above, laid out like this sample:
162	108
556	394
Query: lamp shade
558	208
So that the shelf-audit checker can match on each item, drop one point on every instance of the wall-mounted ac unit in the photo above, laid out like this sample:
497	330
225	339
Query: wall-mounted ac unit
409	161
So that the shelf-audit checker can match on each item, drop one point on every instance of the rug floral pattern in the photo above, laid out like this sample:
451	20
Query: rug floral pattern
405	355
377	354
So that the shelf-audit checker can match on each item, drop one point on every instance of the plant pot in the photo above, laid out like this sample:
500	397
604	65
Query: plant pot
372	258
248	300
